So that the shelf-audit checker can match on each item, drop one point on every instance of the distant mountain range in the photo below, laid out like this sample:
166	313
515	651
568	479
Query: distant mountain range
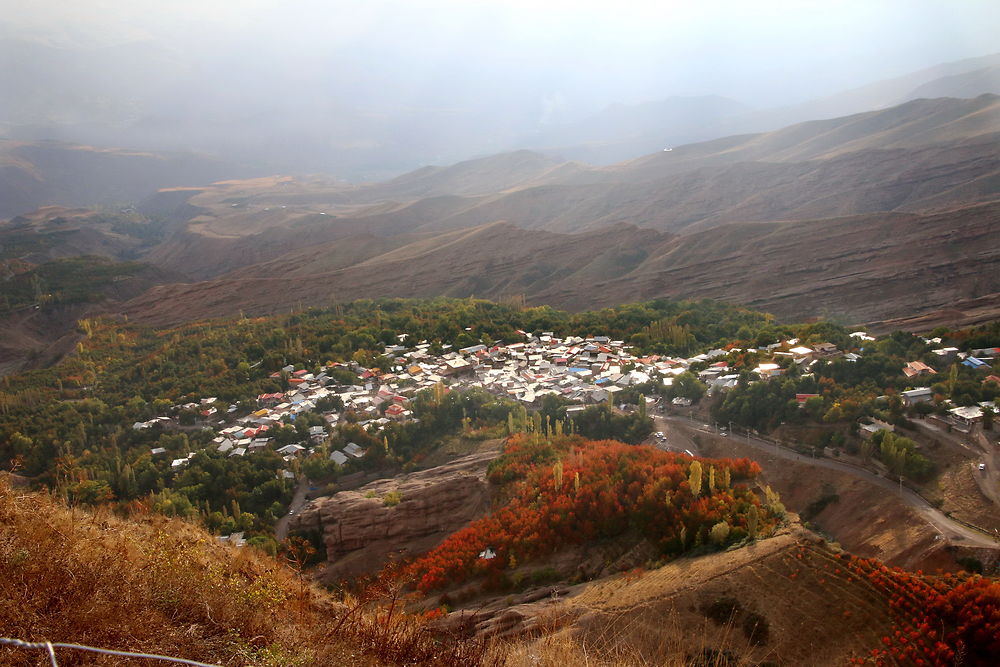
884	215
142	100
622	132
865	217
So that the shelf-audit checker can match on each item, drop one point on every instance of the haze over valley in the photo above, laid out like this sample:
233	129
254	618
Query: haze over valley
497	333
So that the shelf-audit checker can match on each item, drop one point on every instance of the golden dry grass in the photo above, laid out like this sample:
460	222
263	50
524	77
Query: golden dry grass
160	585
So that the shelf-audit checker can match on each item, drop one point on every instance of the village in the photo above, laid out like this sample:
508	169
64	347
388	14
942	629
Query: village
582	370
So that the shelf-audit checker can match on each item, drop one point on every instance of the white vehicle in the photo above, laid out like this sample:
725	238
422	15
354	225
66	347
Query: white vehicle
982	466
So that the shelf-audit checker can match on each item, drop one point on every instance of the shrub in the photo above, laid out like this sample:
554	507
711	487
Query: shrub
723	610
720	533
756	628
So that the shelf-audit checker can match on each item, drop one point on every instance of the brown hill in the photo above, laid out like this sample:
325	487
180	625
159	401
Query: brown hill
485	175
821	218
34	174
806	609
488	261
856	268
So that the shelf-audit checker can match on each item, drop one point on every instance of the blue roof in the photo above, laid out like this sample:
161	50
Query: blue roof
972	362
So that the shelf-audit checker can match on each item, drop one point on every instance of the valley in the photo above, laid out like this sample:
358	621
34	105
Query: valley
469	458
723	395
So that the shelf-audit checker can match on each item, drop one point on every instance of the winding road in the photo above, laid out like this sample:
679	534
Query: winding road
298	500
951	529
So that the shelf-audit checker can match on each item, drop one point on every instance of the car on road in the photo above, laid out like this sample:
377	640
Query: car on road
724	433
982	466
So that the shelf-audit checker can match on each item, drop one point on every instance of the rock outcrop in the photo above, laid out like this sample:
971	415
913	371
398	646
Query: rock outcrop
362	530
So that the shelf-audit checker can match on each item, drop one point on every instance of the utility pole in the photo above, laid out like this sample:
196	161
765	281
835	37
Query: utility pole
900	486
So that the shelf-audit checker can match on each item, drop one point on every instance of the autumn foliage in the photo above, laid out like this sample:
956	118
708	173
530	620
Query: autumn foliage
937	620
576	491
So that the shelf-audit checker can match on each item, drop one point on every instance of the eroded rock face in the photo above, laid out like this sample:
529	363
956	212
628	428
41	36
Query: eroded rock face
362	533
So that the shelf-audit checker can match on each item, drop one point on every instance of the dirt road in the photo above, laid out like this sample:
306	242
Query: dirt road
298	501
954	531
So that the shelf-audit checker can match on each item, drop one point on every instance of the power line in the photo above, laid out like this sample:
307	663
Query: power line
50	647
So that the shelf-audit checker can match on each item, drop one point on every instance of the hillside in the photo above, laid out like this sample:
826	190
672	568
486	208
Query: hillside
828	207
827	210
790	599
622	132
59	265
858	268
43	173
173	590
155	585
492	261
124	425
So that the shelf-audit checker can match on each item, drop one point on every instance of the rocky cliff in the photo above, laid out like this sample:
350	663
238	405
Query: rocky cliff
362	530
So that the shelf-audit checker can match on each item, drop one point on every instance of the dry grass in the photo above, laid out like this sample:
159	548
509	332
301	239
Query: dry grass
567	648
164	586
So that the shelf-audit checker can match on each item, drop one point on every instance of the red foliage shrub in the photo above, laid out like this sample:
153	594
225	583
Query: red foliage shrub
598	489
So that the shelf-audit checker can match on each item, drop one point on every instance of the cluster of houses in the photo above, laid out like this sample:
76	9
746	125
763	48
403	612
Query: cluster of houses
962	417
585	370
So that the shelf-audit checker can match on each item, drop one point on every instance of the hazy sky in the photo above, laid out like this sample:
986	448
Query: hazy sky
760	52
347	66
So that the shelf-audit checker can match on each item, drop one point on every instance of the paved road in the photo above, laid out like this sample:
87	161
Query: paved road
953	530
979	444
298	501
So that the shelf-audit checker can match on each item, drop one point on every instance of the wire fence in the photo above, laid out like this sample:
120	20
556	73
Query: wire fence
50	649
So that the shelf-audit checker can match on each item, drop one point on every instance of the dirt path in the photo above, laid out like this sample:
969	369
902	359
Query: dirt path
298	501
953	530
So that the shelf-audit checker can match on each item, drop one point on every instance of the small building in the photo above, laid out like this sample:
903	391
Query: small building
826	349
353	449
917	368
974	363
802	398
396	411
868	430
966	415
920	395
945	354
768	370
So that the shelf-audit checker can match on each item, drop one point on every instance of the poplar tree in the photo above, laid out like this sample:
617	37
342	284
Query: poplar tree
694	478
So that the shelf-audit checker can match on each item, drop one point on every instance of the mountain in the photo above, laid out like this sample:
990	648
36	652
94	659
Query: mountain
855	268
622	132
966	84
146	94
879	215
35	174
877	95
722	219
